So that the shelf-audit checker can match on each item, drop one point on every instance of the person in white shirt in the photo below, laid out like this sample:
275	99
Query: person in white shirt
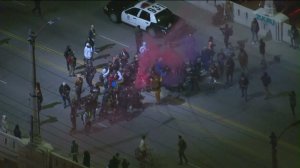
143	48
88	52
143	146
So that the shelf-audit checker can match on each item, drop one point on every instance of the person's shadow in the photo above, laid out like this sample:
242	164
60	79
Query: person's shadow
50	119
50	105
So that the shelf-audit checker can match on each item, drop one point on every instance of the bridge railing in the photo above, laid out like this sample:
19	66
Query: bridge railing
9	145
58	161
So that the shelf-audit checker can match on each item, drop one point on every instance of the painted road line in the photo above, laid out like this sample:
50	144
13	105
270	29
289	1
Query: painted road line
107	38
193	165
26	55
38	45
2	81
235	124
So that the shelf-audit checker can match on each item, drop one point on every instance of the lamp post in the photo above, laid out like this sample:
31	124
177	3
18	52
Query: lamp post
35	136
274	140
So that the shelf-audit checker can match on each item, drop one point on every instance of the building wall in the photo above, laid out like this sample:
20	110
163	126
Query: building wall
244	16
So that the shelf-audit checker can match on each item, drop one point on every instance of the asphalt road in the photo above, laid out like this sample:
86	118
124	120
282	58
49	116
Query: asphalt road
220	128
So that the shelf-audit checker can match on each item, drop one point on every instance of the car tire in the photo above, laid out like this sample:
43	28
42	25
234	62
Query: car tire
151	31
114	18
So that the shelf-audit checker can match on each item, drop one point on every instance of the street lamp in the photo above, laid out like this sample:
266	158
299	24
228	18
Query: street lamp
35	136
274	140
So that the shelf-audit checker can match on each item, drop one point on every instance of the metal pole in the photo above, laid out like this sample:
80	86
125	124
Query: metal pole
273	142
35	123
35	129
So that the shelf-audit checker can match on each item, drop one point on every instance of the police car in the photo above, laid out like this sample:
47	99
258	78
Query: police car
154	18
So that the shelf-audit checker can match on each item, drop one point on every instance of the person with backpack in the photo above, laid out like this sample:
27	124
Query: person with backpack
266	81
181	149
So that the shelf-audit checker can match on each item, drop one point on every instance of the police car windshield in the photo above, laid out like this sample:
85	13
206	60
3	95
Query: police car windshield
164	16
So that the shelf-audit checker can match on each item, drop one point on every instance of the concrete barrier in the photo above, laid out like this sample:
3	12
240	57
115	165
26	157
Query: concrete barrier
25	156
9	146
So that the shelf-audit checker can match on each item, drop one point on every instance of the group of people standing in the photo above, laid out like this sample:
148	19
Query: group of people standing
142	154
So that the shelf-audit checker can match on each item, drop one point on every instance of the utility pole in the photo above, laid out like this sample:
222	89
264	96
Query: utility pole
35	134
273	142
35	137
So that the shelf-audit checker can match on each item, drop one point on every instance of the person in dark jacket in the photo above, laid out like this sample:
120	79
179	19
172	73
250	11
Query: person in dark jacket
92	33
64	91
292	96
73	115
39	96
74	151
229	69
227	32
37	7
254	30
78	89
138	38
86	159
244	82
262	48
90	72
67	53
17	132
115	161
266	81
125	163
243	60
293	33
181	149
71	61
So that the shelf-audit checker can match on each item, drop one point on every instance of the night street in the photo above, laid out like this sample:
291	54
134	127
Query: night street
221	129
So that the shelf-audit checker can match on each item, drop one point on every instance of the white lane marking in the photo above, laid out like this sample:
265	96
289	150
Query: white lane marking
192	165
3	82
102	125
107	38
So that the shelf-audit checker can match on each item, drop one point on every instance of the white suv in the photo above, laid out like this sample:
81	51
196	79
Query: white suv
152	17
